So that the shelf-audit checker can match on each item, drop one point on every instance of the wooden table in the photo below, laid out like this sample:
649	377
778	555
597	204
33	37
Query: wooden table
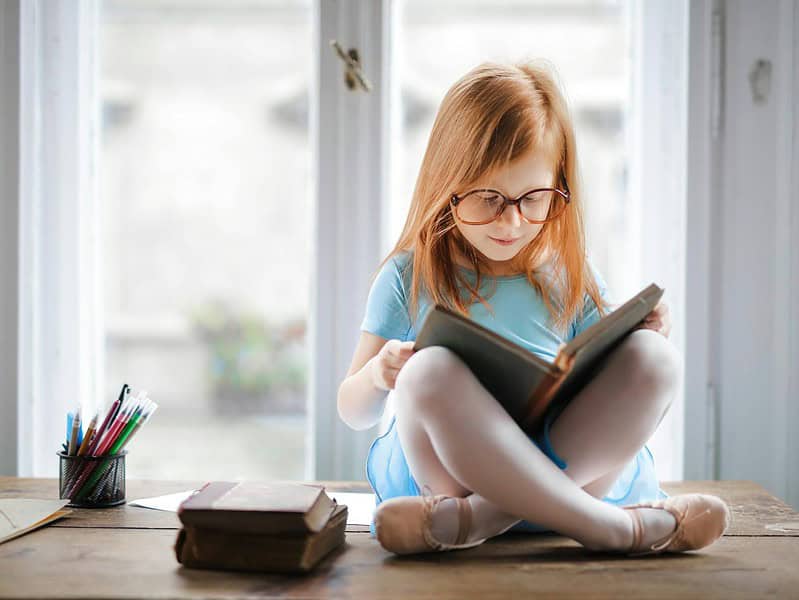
127	552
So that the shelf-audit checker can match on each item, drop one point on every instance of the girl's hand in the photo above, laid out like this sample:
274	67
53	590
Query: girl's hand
658	320
388	362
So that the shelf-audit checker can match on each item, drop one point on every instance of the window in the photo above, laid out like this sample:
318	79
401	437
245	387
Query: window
211	111
585	41
205	203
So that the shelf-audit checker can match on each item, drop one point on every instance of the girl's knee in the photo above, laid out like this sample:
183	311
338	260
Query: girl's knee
427	374
652	360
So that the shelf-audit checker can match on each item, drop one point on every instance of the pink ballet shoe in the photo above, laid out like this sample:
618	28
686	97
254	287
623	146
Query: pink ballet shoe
403	524
701	520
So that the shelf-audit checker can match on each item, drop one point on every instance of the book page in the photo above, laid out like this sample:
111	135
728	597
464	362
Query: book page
21	515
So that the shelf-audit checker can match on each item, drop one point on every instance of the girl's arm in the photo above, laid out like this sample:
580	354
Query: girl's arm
375	364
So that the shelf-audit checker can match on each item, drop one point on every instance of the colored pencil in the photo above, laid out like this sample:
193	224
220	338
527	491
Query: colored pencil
73	438
84	447
123	420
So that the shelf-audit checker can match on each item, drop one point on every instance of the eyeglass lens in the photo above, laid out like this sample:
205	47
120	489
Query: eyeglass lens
483	205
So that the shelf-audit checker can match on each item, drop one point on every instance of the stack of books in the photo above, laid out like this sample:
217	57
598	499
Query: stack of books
280	527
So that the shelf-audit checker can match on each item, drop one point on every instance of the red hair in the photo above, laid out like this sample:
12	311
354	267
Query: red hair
491	116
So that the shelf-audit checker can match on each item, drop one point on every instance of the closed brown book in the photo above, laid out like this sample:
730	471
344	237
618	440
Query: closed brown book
201	548
258	507
523	382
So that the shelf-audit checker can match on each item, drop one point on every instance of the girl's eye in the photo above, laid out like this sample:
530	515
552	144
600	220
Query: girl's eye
536	198
489	198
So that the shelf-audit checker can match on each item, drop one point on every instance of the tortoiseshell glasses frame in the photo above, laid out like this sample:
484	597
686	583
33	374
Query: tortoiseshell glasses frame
563	195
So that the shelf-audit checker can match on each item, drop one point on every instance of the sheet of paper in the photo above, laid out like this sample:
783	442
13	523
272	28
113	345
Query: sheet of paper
360	505
21	515
169	502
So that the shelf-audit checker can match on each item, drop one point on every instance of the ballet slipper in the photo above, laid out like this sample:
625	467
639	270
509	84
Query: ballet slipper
701	520
403	524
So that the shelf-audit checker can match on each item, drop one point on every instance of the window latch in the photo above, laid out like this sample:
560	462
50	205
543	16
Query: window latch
353	74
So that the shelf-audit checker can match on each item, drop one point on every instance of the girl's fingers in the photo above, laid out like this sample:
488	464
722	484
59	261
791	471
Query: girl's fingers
401	352
658	320
660	311
654	324
395	362
391	377
405	348
395	359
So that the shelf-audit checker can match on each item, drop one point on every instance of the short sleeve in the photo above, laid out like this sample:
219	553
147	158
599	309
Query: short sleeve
387	312
590	313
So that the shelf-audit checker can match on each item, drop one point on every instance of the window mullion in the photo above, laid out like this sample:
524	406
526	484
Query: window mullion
59	328
350	136
657	137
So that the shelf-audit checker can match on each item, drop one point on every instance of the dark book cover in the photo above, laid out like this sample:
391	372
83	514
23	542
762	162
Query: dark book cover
523	382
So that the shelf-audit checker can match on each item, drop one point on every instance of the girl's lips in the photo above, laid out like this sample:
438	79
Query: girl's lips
503	242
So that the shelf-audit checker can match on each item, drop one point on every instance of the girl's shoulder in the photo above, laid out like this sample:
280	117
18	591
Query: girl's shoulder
394	276
403	260
400	266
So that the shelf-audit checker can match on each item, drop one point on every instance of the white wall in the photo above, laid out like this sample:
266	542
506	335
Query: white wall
743	233
758	232
9	218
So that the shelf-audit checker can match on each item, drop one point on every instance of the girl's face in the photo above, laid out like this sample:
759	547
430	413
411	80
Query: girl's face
502	239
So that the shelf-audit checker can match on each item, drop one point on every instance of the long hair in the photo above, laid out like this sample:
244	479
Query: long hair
493	115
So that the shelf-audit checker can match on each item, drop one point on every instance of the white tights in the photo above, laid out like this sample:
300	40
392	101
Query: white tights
459	441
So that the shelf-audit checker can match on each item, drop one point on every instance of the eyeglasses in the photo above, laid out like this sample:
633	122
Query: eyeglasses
540	205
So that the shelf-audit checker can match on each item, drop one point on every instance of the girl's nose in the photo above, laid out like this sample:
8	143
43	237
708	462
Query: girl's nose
511	216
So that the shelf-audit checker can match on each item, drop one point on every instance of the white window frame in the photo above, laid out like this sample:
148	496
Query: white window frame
702	176
657	146
58	324
349	220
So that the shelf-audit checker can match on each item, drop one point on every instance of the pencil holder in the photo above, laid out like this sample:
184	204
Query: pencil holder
92	481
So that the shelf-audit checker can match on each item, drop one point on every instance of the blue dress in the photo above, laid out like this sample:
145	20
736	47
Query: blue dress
519	314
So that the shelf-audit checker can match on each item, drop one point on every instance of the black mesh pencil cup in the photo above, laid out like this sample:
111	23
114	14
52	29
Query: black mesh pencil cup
92	481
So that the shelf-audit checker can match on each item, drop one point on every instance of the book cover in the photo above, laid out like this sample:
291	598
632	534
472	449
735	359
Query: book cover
258	507
523	382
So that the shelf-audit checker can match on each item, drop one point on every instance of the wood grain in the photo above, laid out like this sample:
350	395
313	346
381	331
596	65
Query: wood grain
125	553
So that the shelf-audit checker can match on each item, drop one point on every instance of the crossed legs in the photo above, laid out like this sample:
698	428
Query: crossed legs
459	441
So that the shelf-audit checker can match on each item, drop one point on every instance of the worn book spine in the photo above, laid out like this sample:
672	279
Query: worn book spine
246	521
542	395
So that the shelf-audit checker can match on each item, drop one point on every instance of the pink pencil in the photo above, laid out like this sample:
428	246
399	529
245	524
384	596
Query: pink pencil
109	417
114	430
135	406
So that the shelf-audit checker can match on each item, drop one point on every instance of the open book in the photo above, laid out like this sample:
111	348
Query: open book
523	382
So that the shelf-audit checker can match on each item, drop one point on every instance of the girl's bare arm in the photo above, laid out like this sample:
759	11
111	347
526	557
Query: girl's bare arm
375	364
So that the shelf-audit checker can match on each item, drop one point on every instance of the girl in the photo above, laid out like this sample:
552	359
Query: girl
495	232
